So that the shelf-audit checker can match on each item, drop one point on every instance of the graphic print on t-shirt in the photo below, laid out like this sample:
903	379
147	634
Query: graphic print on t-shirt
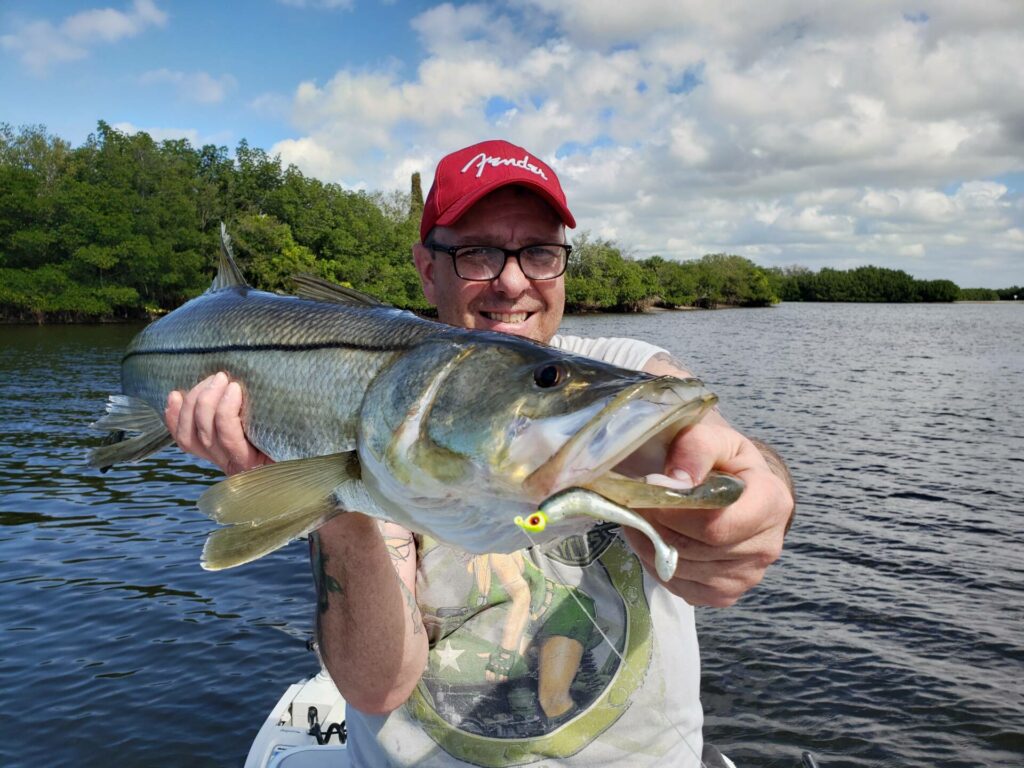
517	670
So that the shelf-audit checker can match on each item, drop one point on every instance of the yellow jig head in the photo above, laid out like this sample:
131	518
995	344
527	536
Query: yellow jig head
535	523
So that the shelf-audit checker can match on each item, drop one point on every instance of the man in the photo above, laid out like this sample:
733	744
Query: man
569	655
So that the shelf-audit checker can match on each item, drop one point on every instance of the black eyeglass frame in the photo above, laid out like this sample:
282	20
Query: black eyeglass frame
453	250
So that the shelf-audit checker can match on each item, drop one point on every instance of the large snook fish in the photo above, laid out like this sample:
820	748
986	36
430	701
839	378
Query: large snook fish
468	436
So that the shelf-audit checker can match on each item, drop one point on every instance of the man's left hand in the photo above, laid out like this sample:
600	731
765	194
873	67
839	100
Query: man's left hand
722	552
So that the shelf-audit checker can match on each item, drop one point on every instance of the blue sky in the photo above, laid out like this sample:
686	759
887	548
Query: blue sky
878	132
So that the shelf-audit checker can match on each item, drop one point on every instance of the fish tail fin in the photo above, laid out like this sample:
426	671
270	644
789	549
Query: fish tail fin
128	415
267	507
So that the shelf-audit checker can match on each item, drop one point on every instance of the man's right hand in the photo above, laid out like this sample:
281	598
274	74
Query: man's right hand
206	421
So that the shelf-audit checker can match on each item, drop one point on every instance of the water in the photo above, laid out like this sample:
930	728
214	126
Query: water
891	632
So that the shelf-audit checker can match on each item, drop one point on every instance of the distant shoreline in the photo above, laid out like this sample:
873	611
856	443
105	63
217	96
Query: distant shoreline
576	313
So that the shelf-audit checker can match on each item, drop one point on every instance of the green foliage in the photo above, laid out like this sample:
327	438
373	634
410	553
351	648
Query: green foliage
937	290
49	292
869	284
124	226
1013	293
714	280
267	253
599	277
978	294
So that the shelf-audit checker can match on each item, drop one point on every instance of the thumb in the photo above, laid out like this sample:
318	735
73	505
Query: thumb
697	450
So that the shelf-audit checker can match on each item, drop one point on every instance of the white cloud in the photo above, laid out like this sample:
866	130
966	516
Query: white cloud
40	44
786	131
200	87
275	105
158	134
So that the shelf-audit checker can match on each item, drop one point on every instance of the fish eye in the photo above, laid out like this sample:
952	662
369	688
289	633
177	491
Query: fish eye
550	375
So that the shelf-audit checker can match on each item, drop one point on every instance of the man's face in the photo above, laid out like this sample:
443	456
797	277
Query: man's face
510	303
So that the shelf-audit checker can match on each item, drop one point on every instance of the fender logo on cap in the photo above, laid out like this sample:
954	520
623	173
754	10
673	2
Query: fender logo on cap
482	160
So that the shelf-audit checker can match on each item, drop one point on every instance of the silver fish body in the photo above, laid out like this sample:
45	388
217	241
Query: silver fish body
304	365
450	432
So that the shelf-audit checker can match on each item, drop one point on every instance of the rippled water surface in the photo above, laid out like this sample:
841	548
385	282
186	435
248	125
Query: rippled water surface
890	633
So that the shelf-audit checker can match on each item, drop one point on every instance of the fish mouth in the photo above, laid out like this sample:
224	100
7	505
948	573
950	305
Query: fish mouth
634	417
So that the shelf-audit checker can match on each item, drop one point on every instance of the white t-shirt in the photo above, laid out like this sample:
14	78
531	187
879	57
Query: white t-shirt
517	672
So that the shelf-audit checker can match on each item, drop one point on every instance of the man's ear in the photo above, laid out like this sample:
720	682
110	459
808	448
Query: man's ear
424	261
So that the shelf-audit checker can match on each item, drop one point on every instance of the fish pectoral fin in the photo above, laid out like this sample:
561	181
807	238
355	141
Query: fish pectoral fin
285	489
128	415
245	542
316	288
718	490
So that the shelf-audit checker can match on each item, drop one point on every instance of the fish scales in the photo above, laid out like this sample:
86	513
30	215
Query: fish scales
304	365
451	432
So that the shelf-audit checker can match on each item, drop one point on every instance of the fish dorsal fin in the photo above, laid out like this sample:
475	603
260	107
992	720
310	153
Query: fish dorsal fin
228	273
316	288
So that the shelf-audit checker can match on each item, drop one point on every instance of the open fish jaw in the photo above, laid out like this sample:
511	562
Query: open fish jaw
628	421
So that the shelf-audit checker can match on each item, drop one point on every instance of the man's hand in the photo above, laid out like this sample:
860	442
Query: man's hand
722	552
206	421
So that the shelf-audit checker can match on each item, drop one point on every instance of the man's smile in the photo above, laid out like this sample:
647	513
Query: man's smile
506	317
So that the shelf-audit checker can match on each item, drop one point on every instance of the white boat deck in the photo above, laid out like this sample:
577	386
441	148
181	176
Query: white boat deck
284	740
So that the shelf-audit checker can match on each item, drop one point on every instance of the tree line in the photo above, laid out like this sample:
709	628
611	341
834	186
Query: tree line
124	227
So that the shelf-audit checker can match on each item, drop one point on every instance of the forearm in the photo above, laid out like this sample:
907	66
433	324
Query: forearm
780	470
369	629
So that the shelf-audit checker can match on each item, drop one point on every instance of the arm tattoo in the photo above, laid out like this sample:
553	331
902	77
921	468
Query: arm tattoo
668	359
323	581
401	548
414	610
780	470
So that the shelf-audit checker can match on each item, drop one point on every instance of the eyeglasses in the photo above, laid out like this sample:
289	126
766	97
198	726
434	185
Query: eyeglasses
544	261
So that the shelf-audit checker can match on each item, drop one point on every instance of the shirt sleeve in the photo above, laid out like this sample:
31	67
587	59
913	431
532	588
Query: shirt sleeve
623	352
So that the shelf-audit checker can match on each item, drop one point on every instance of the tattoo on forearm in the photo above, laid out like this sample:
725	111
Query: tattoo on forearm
323	581
665	357
414	610
401	548
780	470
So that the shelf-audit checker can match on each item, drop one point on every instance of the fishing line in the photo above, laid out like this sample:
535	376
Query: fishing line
572	591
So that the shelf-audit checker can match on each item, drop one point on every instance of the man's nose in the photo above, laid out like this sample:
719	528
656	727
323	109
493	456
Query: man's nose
511	279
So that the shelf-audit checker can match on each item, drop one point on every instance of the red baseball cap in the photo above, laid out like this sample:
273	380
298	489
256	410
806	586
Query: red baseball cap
463	177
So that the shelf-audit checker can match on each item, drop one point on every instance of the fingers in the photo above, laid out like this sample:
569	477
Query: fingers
184	431
722	552
717	583
763	506
174	401
709	444
207	398
240	453
206	421
761	509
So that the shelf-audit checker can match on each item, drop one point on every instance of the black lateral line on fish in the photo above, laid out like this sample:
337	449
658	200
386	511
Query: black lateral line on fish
263	348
